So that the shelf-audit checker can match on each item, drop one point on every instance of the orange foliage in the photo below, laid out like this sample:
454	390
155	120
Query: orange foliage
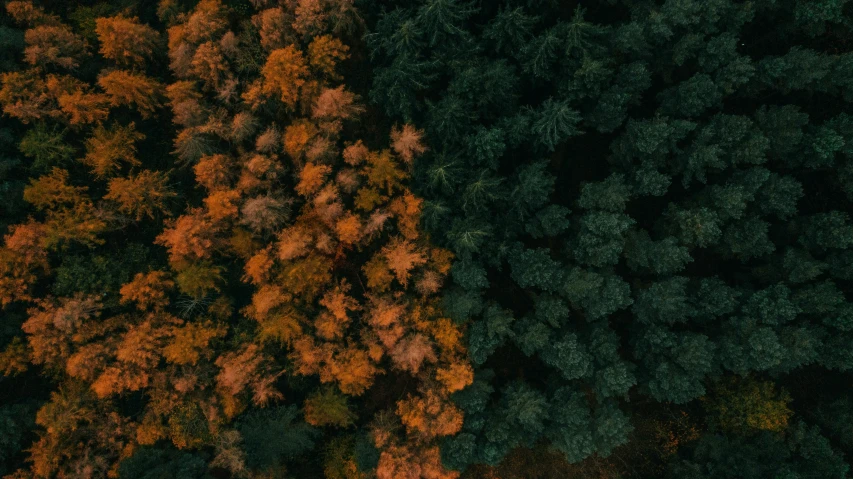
382	171
206	22
58	85
407	142
213	172
70	216
397	462
407	209
52	191
283	327
23	11
80	223
385	312
260	168
248	370
309	16
125	41
349	229
258	266
446	334
84	108
324	53
296	138
24	95
429	283
53	322
299	297
329	327
294	242
265	300
49	45
353	371
338	302
429	415
184	100
327	207
385	317
455	377
337	103
14	359
80	434
307	357
108	147
274	27
355	153
141	195
411	352
377	273
345	331
441	259
402	256
22	256
126	88
190	236
408	462
311	178
147	290
284	73
222	204
208	64
137	354
190	342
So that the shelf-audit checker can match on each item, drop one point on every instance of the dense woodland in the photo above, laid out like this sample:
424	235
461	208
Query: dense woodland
438	239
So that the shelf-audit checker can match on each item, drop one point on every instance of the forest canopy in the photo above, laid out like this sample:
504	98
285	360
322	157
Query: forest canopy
432	239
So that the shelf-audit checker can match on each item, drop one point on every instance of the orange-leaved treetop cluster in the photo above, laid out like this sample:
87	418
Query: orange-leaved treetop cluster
298	257
325	228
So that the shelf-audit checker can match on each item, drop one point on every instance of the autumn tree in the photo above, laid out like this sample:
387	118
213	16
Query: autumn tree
147	290
284	72
109	147
49	45
126	88
142	195
84	108
407	142
126	41
23	258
